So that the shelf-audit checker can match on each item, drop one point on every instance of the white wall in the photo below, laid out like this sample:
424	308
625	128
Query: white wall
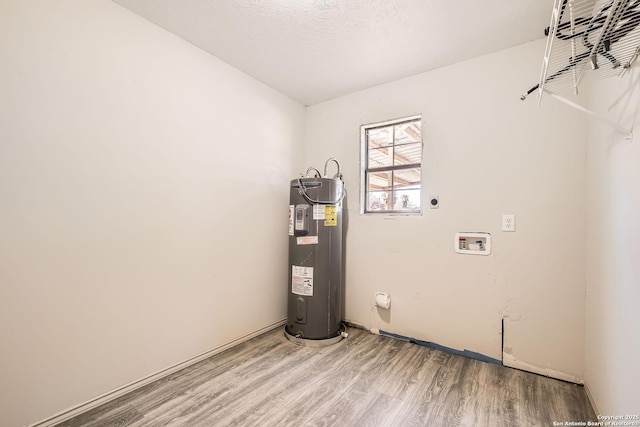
486	153
613	248
125	154
137	174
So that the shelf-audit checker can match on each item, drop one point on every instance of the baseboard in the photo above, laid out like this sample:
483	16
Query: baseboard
511	362
594	405
128	388
507	359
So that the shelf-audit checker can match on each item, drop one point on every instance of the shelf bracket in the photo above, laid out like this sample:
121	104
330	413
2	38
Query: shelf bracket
621	129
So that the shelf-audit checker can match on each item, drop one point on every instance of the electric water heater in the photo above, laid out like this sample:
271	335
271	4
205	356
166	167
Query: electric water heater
315	259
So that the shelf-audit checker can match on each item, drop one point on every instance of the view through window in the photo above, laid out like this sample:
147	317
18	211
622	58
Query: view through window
392	156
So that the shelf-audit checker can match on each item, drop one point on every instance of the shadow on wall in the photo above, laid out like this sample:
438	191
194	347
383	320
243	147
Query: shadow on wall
625	102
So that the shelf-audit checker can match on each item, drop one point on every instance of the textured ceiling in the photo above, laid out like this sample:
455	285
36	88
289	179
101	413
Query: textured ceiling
314	50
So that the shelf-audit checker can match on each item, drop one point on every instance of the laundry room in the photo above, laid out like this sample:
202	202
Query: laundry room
482	199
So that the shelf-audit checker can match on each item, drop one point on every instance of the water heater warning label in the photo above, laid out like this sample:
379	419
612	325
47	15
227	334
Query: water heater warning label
318	212
291	209
307	240
330	216
302	280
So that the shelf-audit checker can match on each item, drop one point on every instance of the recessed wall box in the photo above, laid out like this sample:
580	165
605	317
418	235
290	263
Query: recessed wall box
472	243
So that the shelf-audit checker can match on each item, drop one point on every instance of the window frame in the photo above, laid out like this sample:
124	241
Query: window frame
365	169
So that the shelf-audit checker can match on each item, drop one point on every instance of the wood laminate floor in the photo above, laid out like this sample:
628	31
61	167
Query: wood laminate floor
365	380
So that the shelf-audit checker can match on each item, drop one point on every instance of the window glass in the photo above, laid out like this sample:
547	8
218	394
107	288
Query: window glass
392	163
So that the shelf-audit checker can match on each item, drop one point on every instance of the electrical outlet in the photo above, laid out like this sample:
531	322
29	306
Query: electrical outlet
508	222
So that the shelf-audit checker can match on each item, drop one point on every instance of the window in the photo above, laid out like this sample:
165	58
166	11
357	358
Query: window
391	166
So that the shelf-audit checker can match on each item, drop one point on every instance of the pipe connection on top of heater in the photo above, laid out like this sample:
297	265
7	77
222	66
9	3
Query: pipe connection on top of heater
338	176
311	168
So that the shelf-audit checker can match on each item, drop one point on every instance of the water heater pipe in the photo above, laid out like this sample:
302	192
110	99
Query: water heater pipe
337	175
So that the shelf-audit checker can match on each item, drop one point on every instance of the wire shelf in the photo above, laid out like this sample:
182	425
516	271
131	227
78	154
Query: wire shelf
589	40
